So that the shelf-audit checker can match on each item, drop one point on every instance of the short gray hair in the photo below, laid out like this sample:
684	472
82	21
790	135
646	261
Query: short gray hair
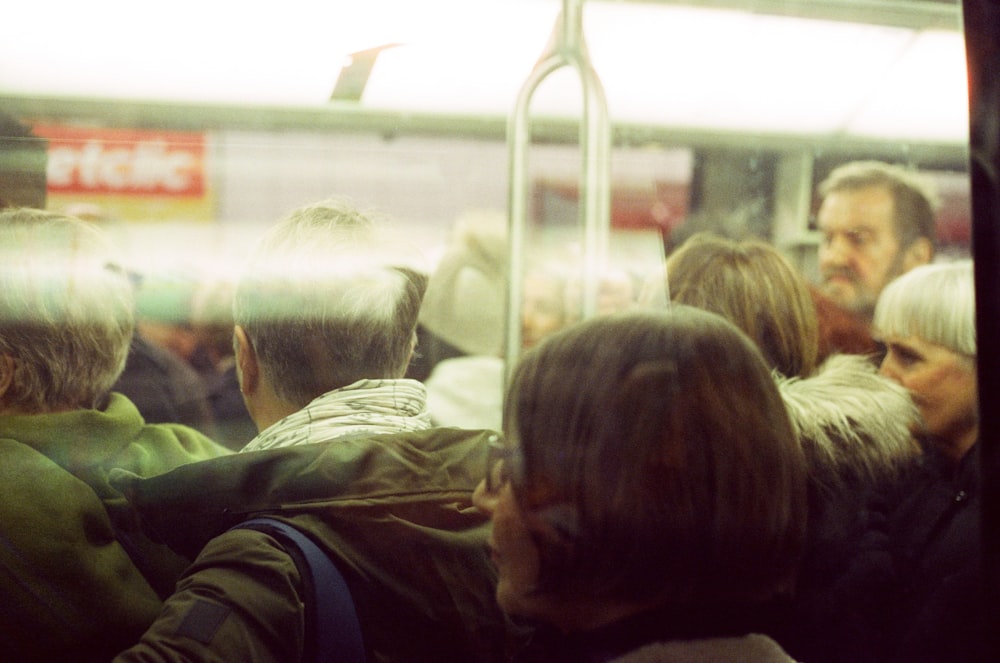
66	311
936	303
326	302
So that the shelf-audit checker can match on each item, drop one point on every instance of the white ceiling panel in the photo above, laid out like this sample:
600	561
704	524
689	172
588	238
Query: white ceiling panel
663	64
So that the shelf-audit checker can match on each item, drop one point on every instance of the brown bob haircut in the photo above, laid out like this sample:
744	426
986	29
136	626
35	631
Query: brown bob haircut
753	286
655	463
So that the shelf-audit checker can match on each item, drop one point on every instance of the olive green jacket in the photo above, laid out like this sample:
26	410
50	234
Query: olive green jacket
394	511
68	588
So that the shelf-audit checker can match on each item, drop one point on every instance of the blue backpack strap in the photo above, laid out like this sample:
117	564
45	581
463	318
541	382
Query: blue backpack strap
333	632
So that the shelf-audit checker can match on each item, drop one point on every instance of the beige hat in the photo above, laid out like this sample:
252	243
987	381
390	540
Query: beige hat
466	295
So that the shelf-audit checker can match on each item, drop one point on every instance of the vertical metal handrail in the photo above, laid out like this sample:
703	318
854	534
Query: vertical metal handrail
567	48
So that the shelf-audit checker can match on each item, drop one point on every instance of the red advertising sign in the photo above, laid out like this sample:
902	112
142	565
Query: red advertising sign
124	162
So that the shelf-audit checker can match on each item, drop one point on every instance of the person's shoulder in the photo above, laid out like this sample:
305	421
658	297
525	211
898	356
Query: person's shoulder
439	447
57	540
193	443
174	439
440	437
157	448
194	501
42	502
752	648
21	461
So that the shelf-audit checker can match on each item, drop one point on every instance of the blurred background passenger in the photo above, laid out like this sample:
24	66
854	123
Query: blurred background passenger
78	578
878	221
543	304
616	291
464	307
926	319
159	376
211	323
23	162
853	425
649	503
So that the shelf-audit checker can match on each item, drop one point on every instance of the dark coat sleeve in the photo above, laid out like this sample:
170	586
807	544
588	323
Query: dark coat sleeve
239	601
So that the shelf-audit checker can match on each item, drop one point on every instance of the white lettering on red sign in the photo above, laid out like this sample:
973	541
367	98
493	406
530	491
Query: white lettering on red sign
107	162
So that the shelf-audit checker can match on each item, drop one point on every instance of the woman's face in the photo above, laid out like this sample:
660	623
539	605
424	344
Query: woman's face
943	386
543	309
512	548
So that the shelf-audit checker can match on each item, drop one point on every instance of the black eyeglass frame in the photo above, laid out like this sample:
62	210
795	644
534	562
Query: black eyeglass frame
500	458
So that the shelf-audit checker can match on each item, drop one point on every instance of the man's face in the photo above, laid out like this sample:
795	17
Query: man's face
860	252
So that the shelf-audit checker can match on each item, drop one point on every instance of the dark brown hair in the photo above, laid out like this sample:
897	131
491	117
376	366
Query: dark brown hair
657	453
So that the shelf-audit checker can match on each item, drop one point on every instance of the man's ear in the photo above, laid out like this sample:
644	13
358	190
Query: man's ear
7	368
247	368
920	252
409	356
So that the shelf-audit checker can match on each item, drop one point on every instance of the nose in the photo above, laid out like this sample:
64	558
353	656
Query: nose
483	500
888	369
833	251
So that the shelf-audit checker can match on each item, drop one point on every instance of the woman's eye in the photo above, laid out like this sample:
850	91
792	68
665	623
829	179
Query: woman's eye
906	357
857	240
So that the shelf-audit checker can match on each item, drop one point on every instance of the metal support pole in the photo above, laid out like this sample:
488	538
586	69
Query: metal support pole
566	49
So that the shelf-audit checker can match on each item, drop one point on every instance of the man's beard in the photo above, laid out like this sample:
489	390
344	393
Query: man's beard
864	300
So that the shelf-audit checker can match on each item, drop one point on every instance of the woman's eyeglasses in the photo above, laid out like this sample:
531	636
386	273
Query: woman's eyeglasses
499	459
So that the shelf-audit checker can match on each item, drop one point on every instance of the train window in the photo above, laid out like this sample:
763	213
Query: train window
723	113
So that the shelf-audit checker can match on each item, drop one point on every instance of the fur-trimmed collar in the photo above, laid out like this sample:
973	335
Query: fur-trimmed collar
851	420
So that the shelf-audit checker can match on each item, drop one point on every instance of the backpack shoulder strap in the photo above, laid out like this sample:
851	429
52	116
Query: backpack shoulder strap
333	632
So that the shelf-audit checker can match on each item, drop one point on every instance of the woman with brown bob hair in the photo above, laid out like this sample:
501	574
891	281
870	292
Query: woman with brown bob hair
852	422
854	426
650	494
752	285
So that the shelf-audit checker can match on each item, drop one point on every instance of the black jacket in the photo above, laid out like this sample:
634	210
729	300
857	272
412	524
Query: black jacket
935	536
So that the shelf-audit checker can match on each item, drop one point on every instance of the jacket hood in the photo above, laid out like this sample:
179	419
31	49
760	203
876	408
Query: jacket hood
851	421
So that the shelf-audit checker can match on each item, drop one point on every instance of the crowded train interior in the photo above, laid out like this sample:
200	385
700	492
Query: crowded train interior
581	142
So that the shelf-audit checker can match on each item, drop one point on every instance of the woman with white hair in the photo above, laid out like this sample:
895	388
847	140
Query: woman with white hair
926	320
